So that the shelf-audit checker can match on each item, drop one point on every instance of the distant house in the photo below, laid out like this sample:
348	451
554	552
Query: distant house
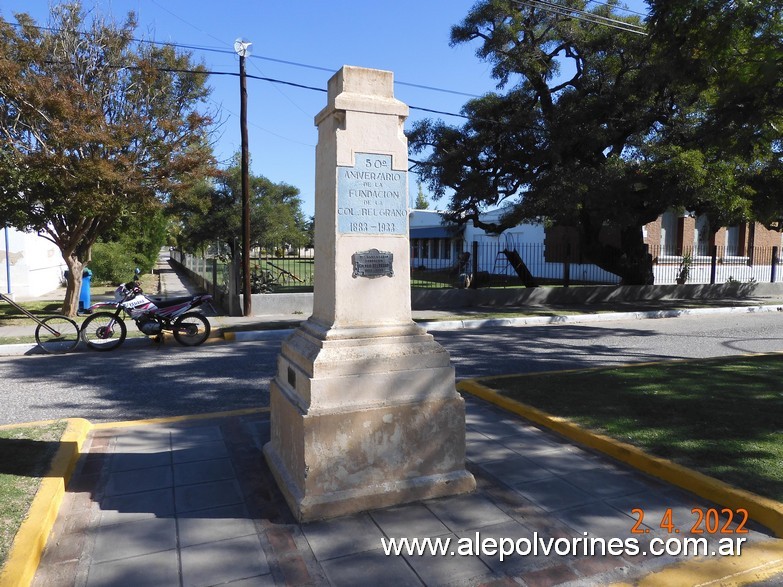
30	266
744	252
433	243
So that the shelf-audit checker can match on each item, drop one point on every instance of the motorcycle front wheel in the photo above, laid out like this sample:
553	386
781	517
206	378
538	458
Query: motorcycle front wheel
191	329
103	331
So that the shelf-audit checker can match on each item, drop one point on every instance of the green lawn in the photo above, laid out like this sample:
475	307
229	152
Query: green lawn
722	417
10	316
289	274
25	456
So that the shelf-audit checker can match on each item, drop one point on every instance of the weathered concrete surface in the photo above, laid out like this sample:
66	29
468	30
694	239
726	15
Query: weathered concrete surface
365	412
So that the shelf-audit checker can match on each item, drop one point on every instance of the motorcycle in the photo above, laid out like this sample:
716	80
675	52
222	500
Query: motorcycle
105	331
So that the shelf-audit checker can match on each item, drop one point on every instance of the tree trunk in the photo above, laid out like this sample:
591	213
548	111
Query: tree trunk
73	285
631	262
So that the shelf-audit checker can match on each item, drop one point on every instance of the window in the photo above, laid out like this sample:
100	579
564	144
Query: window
415	248
446	249
701	236
733	241
669	233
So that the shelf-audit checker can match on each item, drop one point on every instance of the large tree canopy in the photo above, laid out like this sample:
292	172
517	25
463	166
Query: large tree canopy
596	128
94	127
736	50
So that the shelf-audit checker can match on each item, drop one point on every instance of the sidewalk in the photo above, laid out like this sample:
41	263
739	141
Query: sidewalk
192	502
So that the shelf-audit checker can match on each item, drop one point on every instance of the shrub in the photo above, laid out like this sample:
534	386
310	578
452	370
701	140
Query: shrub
112	262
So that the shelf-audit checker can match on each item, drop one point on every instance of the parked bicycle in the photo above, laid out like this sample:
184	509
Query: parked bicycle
54	334
267	280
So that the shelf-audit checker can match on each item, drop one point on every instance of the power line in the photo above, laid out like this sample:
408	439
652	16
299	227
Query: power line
256	77
218	50
582	15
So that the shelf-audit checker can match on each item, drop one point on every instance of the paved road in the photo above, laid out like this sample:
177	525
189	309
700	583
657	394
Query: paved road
149	382
573	346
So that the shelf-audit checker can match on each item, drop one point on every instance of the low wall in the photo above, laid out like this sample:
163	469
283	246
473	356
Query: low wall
454	299
281	304
446	299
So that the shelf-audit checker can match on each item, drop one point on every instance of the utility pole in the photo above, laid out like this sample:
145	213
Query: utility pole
243	49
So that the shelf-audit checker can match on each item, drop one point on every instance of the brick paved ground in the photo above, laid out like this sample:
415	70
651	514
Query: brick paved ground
194	503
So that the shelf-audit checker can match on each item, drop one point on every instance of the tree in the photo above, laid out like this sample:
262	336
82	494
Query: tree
421	200
736	50
136	243
212	212
95	128
597	130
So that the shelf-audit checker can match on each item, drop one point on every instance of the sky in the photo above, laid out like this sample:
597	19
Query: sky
305	42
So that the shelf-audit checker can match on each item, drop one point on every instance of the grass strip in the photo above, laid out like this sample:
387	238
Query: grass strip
722	417
26	454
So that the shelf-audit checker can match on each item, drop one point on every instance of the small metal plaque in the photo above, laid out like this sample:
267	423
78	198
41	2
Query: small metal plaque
373	263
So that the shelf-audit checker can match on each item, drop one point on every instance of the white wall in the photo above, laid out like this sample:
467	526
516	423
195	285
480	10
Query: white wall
35	264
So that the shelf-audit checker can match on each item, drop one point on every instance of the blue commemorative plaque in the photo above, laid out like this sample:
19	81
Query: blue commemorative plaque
372	198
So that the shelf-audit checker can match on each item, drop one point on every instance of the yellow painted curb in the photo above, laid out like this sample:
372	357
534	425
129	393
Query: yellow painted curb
30	540
758	562
23	560
764	510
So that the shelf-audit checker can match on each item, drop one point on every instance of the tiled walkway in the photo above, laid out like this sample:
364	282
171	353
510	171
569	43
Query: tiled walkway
193	504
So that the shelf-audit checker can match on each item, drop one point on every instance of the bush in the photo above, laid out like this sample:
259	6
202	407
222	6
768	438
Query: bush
135	246
112	262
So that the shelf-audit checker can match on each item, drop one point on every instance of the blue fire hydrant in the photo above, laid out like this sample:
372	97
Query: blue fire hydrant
84	294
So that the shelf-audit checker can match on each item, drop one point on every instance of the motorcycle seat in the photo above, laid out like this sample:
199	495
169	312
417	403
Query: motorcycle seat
167	303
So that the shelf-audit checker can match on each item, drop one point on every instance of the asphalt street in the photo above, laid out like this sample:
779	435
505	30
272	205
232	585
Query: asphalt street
170	380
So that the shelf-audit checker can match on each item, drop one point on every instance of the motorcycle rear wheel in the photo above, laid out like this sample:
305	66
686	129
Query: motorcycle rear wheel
191	329
98	335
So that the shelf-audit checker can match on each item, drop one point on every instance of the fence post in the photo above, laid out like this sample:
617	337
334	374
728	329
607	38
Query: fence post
774	276
214	277
474	281
567	266
714	265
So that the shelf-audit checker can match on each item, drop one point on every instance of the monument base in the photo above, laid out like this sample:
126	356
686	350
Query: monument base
364	423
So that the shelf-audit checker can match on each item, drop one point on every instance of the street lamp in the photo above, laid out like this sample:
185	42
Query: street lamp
242	49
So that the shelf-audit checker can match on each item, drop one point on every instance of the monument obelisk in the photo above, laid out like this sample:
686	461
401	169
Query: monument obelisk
365	413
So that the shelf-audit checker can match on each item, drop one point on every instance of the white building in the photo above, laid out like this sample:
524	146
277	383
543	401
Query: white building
30	266
439	246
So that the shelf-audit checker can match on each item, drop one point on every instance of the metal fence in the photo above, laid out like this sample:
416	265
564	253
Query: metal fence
214	272
716	265
499	263
445	263
277	270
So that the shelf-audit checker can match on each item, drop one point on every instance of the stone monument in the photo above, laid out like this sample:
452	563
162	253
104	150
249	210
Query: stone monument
365	413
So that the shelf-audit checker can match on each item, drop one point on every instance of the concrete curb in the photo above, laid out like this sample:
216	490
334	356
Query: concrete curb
586	318
758	562
764	510
30	540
